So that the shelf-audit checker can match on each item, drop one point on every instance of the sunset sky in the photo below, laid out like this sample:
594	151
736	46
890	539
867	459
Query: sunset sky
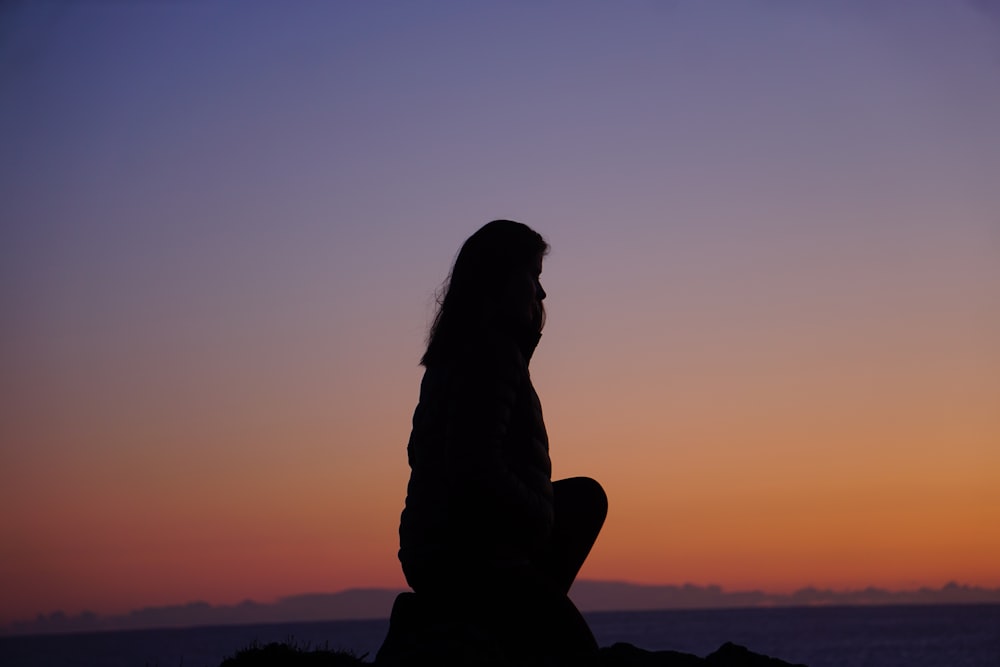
774	289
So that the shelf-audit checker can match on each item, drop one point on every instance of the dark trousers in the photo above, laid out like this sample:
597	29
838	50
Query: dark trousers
526	607
580	509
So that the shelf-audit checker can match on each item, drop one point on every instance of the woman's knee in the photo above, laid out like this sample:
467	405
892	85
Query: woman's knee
582	492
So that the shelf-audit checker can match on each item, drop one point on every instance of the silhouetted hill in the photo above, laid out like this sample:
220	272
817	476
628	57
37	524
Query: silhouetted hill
588	595
622	596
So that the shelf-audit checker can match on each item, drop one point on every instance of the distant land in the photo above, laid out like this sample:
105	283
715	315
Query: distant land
361	603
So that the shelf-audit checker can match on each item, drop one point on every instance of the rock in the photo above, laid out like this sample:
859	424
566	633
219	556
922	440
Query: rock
732	655
728	655
627	655
471	655
422	636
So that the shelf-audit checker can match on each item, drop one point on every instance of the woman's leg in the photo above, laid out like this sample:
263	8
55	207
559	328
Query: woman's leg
518	608
534	618
580	508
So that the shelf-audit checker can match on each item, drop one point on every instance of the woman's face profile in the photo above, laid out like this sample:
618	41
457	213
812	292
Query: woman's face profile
537	294
526	294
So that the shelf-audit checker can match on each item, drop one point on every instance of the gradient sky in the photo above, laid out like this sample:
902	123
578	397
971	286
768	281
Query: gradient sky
774	290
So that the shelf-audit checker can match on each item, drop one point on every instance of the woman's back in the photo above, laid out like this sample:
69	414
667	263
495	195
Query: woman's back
478	452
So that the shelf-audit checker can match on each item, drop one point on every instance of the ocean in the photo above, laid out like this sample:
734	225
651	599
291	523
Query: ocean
890	636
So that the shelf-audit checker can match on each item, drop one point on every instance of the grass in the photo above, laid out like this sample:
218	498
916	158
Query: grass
292	654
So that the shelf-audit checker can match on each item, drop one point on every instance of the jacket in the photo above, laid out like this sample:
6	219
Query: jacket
480	488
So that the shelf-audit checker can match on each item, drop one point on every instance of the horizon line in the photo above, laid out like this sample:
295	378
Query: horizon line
590	595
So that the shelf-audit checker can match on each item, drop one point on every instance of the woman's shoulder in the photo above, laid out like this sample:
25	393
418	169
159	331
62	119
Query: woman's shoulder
481	360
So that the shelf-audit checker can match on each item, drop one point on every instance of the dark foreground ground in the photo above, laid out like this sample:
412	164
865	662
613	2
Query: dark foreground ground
619	655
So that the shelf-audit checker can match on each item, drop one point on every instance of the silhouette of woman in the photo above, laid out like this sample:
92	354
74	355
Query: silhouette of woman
486	538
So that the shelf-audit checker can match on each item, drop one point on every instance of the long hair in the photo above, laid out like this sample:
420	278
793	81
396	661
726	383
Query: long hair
476	290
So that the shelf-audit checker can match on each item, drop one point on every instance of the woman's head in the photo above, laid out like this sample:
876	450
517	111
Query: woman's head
493	285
